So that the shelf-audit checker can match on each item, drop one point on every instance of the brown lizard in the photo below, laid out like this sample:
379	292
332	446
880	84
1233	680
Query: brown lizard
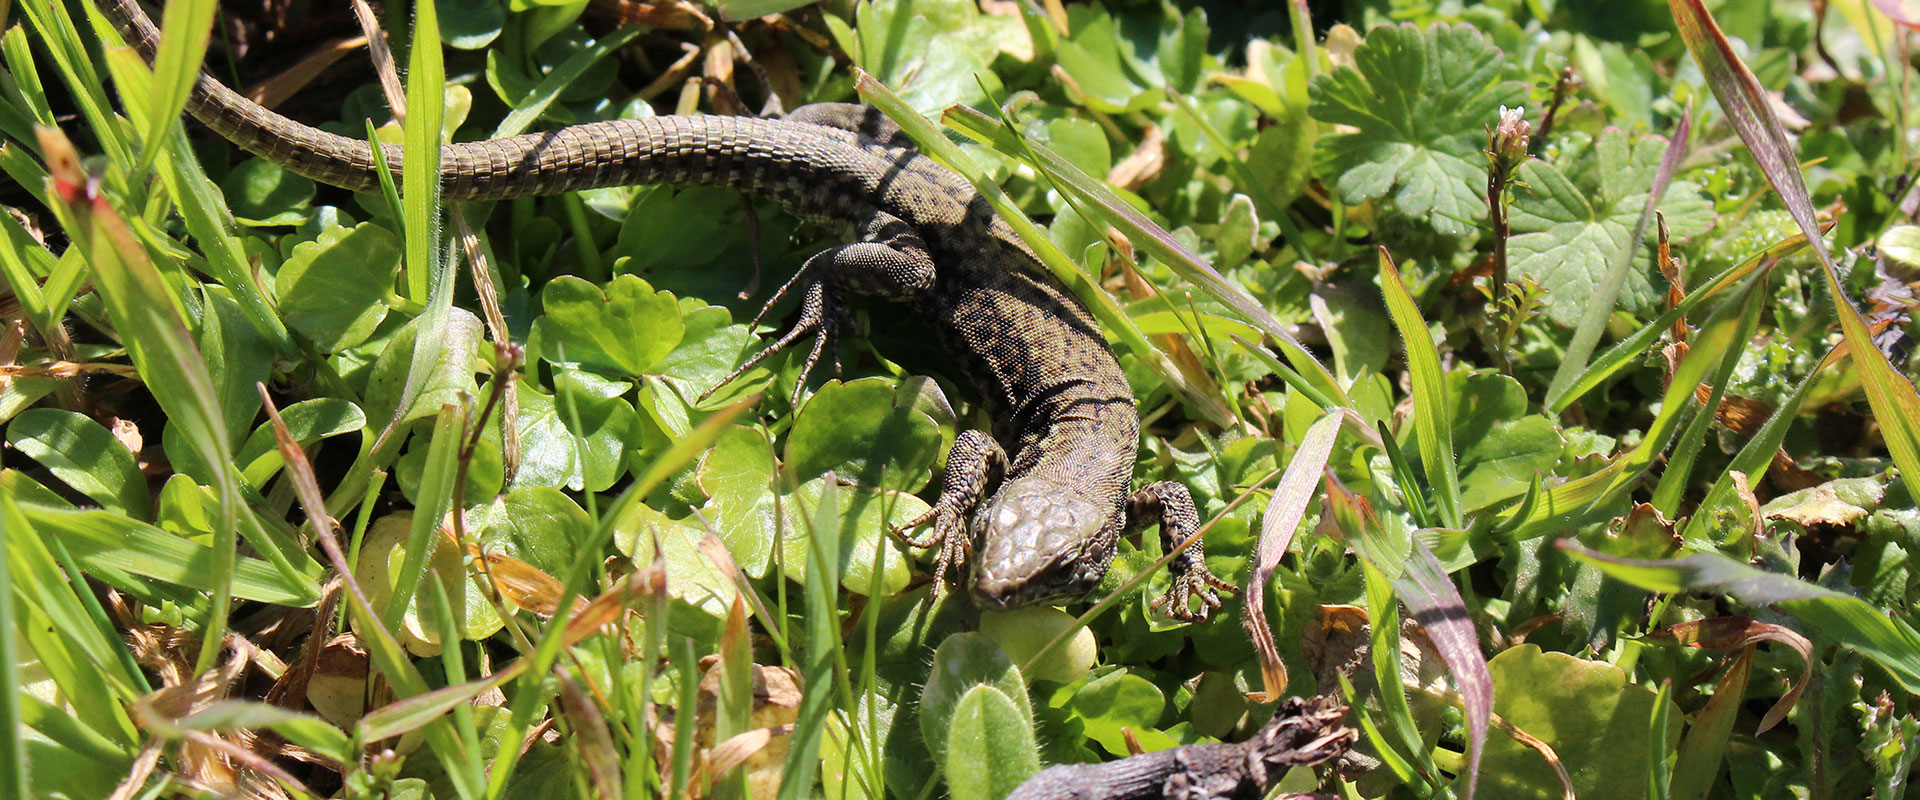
1054	474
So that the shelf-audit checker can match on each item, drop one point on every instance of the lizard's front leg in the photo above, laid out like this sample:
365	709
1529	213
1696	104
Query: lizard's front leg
974	465
1170	504
890	260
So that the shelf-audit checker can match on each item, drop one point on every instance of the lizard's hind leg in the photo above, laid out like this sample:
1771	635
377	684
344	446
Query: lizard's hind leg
889	261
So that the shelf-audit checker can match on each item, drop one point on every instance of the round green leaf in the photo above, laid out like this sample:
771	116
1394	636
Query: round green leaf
963	661
381	555
1115	700
864	430
1586	710
537	524
470	24
738	475
553	453
991	749
866	514
1023	631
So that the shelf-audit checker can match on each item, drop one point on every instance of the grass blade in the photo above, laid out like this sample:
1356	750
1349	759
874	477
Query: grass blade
1673	481
1593	322
823	643
1634	347
1436	604
420	164
1895	405
186	26
1851	621
1296	491
1432	405
13	747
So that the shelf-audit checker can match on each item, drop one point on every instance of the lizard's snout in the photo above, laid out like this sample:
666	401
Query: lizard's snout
1034	537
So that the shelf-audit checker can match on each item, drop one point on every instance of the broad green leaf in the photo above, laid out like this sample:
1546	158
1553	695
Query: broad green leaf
554	453
961	662
539	525
333	290
472	25
692	578
307	421
1501	446
866	430
84	455
407	384
1606	293
936	52
866	516
1113	700
263	193
1634	347
738	475
1420	101
708	348
382	565
1585	710
1570	221
1023	632
991	748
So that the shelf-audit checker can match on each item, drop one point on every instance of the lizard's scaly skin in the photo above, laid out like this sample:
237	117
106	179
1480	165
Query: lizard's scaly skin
1062	408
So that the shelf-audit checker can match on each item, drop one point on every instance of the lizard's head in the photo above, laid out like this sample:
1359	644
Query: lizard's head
1038	542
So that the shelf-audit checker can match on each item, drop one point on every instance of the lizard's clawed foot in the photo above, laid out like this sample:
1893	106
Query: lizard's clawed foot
1195	580
821	315
949	533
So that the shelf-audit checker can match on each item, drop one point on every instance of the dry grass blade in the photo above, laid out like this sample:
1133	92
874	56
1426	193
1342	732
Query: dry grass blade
1733	633
1441	612
1296	491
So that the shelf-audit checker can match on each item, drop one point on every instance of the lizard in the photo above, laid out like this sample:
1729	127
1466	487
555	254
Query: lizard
1302	733
1034	511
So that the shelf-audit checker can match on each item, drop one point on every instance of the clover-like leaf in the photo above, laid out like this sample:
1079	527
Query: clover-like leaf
623	330
382	555
552	451
333	289
738	475
1115	701
1421	102
1571	219
866	514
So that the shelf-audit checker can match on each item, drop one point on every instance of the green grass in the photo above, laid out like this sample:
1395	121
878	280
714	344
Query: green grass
240	412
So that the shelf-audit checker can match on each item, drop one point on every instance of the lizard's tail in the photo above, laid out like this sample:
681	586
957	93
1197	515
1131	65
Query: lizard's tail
777	159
